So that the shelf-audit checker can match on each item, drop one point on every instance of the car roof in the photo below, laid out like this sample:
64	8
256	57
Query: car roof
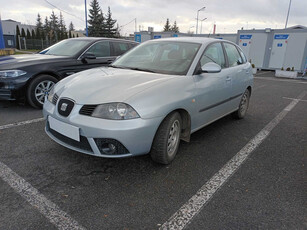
100	38
200	40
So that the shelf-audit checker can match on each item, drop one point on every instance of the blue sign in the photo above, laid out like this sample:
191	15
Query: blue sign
244	44
157	36
246	36
279	45
137	38
175	35
281	36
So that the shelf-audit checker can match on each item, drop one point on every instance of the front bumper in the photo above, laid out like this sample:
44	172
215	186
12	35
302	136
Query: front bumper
10	86
135	135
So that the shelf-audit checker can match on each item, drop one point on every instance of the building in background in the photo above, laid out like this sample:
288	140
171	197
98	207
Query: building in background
9	31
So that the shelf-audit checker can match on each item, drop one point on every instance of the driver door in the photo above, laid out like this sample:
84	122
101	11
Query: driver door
213	90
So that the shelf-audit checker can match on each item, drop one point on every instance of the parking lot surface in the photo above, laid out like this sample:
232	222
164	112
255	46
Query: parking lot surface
46	186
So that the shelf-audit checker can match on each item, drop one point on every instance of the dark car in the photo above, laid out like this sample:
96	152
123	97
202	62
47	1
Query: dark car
32	76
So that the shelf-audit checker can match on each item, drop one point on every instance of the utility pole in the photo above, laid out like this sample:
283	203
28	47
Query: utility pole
86	30
288	14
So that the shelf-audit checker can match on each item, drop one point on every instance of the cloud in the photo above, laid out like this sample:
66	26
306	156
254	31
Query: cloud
229	16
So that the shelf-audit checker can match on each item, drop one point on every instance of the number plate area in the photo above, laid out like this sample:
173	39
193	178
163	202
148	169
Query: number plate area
64	129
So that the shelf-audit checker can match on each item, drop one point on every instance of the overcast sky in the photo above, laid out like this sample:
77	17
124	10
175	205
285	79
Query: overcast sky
229	15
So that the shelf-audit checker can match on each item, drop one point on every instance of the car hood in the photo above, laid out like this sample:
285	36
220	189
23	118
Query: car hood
18	61
104	85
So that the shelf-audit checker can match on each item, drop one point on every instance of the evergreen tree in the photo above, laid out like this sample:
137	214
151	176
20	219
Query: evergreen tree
23	33
62	27
71	27
110	31
167	26
175	28
32	34
96	21
39	27
17	37
46	28
54	27
28	34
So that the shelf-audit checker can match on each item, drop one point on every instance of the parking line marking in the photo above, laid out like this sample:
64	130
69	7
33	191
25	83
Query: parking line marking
21	123
296	81
295	99
50	210
194	205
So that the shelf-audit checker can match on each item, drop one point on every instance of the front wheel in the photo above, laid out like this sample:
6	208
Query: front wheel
243	106
38	89
167	139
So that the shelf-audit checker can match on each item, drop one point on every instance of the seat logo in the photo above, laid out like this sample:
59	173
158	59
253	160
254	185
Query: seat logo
64	107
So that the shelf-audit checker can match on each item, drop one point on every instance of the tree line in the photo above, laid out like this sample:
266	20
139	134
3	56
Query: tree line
53	29
168	27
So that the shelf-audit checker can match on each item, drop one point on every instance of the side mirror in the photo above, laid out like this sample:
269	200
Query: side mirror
88	56
211	67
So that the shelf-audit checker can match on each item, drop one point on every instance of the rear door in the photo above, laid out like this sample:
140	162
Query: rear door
238	71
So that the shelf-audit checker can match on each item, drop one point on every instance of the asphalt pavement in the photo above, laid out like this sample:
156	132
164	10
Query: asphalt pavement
40	180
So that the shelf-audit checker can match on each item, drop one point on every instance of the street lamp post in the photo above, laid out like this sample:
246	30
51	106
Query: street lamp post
288	14
197	17
86	30
201	24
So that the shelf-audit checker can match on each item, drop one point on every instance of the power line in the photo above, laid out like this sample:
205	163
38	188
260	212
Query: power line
54	6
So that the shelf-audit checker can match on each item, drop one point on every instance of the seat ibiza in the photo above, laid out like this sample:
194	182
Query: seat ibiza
150	98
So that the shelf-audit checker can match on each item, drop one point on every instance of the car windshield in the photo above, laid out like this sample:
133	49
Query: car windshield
69	47
166	57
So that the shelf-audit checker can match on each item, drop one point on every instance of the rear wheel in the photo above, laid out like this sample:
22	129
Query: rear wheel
167	139
38	89
243	106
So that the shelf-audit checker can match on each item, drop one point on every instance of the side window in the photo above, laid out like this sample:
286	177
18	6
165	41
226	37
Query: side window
214	53
100	49
233	55
120	48
242	55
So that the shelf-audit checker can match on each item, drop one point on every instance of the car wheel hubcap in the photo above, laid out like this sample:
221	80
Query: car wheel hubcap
173	138
244	104
42	90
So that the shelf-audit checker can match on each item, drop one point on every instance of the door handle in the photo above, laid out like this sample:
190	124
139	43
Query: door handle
228	78
109	61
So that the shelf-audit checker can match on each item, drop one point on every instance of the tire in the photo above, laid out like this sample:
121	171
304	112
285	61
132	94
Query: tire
167	139
243	106
38	88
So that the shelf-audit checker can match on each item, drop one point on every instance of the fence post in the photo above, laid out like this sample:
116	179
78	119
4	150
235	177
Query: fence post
42	44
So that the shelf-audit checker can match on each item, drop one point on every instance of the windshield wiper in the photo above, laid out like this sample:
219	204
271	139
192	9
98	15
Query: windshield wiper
132	68
139	69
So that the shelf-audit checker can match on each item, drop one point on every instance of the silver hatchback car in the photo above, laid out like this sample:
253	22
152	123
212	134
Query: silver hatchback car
150	98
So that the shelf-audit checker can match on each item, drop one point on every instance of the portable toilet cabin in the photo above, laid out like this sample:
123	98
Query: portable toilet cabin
275	49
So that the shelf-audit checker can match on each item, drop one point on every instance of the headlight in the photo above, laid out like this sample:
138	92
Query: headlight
115	111
51	94
11	73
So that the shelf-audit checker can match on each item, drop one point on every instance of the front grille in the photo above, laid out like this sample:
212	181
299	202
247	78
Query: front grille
87	109
65	106
83	144
104	143
55	99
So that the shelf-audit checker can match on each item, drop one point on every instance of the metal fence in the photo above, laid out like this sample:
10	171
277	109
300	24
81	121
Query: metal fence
34	44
